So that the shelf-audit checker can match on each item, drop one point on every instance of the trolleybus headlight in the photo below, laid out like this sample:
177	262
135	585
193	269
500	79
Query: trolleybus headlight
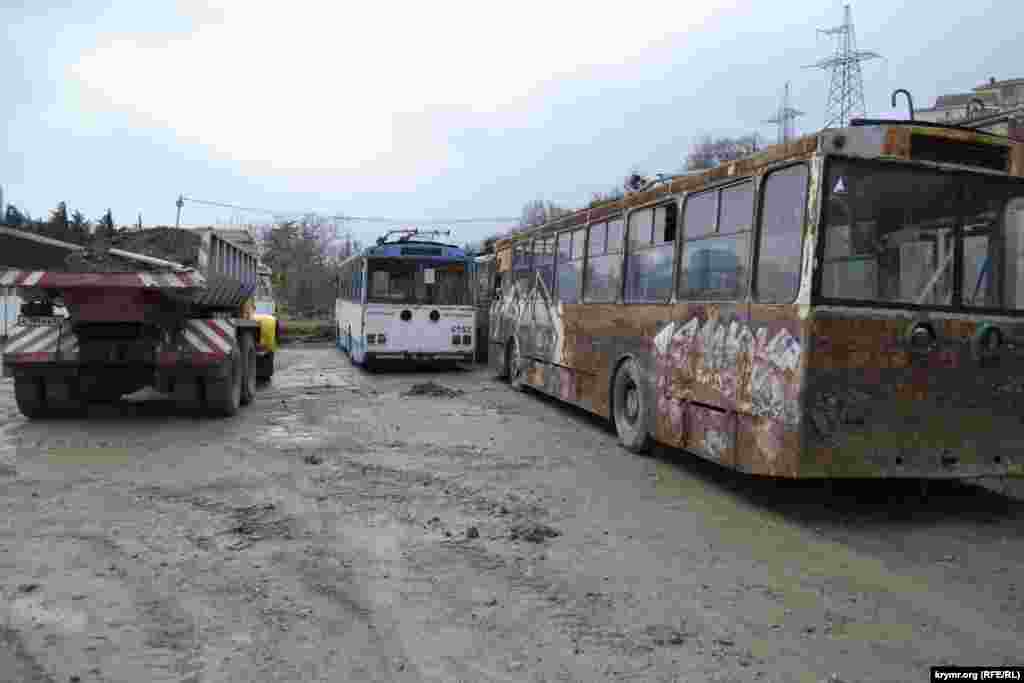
466	340
381	339
406	315
371	339
456	339
434	316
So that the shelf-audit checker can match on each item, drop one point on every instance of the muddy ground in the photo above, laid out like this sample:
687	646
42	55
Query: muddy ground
343	528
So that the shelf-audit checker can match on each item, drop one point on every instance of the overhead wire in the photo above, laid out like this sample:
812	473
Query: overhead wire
345	217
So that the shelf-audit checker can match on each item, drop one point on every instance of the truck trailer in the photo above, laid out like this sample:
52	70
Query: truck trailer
187	328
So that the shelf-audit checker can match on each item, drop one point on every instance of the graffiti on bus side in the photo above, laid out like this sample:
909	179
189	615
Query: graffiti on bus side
529	309
739	362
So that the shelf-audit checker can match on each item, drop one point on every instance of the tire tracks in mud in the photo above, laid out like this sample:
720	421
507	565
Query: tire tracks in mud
575	621
303	572
16	664
160	633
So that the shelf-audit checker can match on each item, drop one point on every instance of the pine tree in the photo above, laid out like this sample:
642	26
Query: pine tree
13	218
80	227
105	226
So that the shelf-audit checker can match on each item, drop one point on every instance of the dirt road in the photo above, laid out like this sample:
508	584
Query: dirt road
339	530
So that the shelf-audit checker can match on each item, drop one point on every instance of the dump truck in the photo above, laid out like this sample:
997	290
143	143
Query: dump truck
131	319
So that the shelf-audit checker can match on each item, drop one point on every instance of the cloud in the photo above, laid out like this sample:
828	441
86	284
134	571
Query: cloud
364	91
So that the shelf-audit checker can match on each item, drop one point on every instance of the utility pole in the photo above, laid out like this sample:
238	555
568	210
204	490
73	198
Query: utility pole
846	89
784	118
180	203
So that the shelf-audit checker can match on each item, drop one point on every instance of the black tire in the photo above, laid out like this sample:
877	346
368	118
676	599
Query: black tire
30	395
265	367
224	396
68	402
188	396
630	411
247	353
514	365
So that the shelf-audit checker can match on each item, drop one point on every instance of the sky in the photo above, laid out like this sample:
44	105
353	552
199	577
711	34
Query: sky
429	111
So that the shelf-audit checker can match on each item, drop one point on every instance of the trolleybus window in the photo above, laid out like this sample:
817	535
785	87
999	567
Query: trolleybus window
714	263
782	220
418	282
522	262
604	265
890	233
650	256
737	208
544	260
570	265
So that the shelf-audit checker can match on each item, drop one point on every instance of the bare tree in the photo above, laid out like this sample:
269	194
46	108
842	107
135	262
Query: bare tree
304	257
538	212
708	152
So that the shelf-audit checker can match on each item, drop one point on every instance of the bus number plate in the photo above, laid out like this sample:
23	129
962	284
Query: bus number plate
39	321
461	329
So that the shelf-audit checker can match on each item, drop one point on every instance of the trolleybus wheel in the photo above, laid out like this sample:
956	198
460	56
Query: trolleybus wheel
248	358
30	395
224	396
629	408
514	363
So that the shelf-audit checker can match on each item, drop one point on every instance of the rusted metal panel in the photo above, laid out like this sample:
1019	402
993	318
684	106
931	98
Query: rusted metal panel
504	260
877	407
897	143
1017	154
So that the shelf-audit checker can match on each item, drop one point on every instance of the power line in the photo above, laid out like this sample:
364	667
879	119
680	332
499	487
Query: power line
345	217
846	89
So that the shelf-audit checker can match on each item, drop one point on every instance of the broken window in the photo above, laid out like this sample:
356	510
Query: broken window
544	260
651	249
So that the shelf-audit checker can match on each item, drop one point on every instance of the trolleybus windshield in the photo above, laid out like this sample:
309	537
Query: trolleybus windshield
409	281
906	235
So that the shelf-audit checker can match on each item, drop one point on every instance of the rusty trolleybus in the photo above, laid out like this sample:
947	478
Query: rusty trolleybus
849	304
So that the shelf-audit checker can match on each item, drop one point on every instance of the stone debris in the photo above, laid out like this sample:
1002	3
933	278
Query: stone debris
533	532
432	389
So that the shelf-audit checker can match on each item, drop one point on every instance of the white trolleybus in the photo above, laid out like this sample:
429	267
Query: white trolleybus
407	299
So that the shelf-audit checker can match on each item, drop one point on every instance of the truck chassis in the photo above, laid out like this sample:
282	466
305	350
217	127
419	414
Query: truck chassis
132	332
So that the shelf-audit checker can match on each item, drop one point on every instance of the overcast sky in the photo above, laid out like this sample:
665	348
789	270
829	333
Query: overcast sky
432	110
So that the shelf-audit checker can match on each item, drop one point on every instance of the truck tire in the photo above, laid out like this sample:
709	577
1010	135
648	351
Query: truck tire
247	353
188	396
63	398
30	395
224	396
265	367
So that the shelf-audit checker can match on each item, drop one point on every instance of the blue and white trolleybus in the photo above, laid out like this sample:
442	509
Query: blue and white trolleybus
407	299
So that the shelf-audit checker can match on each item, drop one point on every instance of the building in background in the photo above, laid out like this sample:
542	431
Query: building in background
995	107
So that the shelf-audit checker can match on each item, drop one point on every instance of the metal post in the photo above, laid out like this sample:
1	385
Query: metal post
180	203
